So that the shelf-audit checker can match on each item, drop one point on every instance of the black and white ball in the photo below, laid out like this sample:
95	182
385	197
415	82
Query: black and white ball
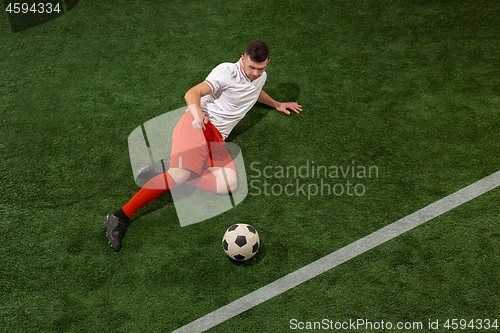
241	241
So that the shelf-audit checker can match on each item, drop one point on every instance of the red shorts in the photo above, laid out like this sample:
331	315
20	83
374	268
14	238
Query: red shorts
190	149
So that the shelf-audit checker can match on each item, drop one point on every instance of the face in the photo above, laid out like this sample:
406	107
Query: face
253	70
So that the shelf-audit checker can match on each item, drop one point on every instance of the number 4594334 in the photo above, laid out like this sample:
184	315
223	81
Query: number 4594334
479	324
36	8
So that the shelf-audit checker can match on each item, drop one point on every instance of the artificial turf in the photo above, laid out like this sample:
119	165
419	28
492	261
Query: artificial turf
411	87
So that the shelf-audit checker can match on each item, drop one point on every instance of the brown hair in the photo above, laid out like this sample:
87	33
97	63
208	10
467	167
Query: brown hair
257	51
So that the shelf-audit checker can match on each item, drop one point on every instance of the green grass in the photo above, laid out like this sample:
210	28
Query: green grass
410	87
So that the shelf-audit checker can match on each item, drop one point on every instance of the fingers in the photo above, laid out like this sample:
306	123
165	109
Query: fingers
196	124
199	123
292	106
297	108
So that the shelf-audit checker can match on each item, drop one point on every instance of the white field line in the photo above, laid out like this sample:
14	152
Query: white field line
342	255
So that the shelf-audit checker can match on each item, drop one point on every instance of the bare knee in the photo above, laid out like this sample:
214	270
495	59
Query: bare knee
179	175
232	180
227	180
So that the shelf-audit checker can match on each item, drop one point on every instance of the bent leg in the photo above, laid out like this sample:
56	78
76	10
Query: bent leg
217	180
227	180
179	175
154	188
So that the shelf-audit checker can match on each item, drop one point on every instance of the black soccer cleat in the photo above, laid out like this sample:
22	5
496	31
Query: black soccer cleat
115	231
150	172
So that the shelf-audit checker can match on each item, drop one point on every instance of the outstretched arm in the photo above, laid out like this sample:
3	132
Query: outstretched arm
264	98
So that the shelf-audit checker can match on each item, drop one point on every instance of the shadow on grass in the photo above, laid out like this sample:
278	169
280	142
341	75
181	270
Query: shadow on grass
283	92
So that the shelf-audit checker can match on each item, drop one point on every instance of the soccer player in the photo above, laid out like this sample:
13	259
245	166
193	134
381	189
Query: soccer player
198	155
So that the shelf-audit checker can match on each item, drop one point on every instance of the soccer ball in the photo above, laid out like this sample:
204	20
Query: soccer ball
241	241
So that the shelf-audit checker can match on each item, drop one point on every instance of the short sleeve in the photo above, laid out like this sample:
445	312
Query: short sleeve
218	78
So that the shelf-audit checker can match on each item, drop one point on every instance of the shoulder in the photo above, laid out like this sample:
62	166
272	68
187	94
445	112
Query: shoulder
225	67
223	74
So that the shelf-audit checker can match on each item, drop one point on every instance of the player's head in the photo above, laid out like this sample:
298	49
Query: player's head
255	59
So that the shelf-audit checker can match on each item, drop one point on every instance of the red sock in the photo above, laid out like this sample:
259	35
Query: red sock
206	182
149	192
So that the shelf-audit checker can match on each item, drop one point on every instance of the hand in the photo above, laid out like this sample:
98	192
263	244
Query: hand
282	107
199	122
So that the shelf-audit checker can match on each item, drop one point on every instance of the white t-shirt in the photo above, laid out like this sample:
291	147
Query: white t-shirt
233	95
